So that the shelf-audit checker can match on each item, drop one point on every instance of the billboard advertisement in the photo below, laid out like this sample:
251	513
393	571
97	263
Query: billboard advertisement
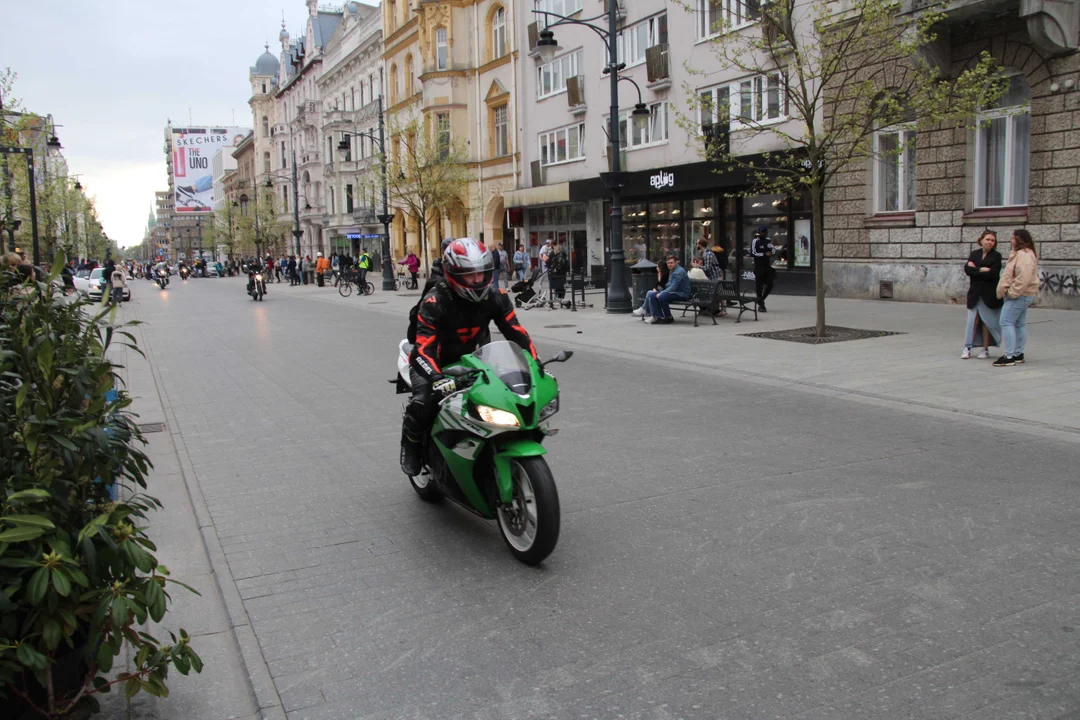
193	175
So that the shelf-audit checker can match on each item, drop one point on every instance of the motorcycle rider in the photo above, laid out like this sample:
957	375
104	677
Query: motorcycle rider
254	268
453	321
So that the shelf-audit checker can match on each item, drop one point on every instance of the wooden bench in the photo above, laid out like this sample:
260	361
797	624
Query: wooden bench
746	302
704	299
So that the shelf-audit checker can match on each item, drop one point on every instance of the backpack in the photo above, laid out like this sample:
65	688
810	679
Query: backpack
496	259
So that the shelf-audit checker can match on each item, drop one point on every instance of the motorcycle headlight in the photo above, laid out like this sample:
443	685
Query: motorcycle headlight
550	409
259	278
495	416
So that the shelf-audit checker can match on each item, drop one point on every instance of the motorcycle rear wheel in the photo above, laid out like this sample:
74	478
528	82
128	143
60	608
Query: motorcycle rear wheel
530	526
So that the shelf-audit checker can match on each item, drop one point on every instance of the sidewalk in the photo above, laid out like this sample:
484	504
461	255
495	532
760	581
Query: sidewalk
921	367
186	540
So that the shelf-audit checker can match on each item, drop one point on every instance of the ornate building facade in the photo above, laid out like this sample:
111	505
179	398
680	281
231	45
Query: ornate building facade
453	64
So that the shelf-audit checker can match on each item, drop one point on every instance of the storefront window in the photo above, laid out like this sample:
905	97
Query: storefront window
665	231
635	233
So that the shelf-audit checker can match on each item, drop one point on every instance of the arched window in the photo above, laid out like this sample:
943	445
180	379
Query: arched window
265	126
442	51
393	85
498	33
1003	148
409	77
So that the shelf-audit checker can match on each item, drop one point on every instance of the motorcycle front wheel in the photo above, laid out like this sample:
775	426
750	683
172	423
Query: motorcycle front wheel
530	524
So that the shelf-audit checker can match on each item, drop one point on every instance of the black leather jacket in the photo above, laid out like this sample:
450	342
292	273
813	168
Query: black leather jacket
448	327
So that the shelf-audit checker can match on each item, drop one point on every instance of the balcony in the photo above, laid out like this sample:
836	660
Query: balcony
339	119
657	65
307	161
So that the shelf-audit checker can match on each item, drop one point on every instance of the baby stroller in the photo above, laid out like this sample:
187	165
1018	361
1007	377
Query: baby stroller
526	296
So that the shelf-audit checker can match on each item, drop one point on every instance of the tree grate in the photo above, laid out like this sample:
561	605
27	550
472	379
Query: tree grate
152	427
808	335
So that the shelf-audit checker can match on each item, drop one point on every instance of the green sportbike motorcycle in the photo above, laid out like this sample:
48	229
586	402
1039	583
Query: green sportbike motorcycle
485	450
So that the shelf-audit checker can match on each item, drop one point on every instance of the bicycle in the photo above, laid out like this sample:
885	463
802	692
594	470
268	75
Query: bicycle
404	280
345	288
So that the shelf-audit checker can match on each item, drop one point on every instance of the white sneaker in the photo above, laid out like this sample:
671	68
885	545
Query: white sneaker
984	354
966	355
650	320
639	312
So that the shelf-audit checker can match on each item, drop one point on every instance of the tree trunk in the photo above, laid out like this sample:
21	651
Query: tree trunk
818	230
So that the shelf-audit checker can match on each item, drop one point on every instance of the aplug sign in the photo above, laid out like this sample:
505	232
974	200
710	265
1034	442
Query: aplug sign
662	180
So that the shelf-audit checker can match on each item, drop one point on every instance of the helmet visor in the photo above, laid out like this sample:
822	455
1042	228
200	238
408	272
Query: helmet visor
472	278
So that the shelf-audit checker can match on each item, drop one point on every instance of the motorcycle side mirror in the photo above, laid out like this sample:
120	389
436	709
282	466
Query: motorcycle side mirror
457	371
563	356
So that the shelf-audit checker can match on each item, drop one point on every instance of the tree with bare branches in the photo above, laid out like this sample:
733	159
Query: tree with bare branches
841	72
426	175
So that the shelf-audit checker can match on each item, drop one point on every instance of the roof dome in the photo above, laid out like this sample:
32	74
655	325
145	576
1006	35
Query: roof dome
267	64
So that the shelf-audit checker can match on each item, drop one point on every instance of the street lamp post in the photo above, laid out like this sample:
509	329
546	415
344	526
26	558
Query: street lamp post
297	232
385	218
618	296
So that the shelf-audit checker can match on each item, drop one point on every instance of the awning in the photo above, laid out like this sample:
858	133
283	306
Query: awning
543	195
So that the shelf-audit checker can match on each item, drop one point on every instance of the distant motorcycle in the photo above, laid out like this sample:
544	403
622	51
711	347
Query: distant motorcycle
257	286
162	278
185	273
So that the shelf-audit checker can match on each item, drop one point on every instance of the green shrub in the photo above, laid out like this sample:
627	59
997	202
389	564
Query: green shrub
78	574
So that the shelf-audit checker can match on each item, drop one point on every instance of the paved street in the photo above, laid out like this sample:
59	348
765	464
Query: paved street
751	529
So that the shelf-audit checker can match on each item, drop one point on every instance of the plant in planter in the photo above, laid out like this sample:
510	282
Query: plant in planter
78	574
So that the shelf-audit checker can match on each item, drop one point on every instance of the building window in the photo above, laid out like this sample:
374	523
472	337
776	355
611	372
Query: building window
392	14
1003	148
349	199
441	49
551	78
559	7
502	131
284	159
409	77
636	39
265	126
393	85
562	145
266	161
442	130
332	194
635	133
894	169
498	34
716	15
285	197
756	100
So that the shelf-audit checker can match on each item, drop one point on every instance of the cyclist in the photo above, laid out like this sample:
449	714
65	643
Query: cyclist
453	320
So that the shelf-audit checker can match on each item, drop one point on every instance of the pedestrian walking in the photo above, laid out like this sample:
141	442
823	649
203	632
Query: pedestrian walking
983	269
322	265
116	286
1018	287
496	263
291	269
521	261
762	250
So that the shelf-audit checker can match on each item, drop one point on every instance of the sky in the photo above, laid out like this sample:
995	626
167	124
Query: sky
112	72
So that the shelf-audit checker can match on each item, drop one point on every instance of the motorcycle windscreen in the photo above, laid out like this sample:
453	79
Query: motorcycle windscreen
508	362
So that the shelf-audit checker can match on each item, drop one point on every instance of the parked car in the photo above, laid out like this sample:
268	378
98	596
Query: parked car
98	283
82	281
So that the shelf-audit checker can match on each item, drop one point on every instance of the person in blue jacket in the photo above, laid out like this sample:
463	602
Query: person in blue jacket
677	288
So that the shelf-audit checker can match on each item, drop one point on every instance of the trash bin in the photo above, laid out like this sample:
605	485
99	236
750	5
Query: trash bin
643	275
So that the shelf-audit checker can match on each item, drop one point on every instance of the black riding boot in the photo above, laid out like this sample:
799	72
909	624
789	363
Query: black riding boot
412	461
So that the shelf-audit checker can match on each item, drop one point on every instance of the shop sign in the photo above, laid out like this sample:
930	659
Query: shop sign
662	180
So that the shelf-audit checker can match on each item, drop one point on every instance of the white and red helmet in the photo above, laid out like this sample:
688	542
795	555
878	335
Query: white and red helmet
468	268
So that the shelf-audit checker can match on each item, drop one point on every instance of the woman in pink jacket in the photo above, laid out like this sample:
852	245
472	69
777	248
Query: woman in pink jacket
1018	287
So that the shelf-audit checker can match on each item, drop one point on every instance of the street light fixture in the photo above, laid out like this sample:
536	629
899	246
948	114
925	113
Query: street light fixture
385	218
618	296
